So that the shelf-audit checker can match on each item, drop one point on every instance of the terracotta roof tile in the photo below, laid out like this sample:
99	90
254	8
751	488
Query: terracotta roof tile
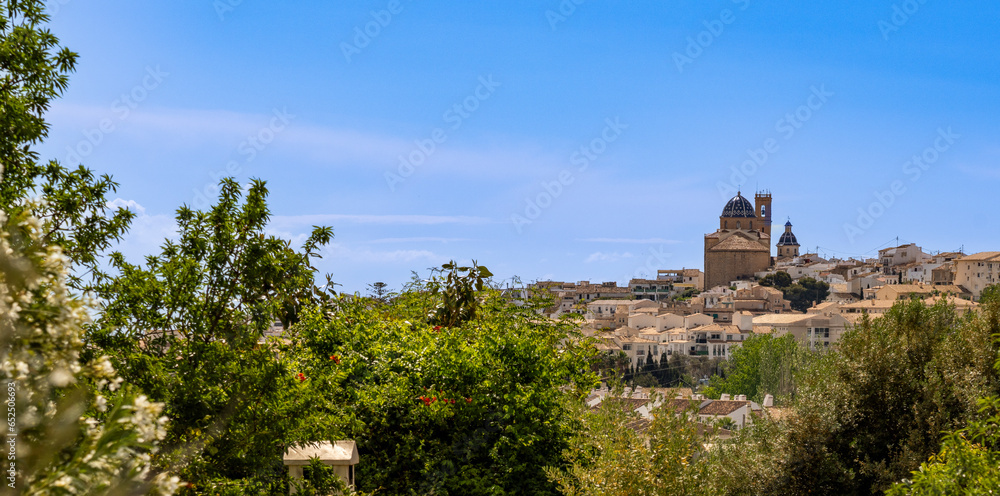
737	242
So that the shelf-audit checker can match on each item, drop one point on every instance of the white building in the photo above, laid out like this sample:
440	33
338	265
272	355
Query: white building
900	255
977	271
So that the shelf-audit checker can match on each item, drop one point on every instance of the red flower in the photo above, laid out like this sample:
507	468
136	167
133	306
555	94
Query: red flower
426	400
437	328
335	358
468	400
301	376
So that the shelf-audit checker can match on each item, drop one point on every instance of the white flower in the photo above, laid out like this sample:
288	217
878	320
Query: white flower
103	367
61	378
63	481
102	403
167	483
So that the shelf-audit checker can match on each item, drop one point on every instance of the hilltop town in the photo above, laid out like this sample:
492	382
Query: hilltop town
746	289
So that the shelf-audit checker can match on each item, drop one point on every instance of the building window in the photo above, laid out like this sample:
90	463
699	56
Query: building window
626	347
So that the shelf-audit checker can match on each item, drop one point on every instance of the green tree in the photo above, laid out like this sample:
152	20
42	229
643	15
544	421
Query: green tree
805	292
990	295
188	329
968	461
479	407
610	456
687	294
762	364
874	410
34	70
778	280
611	366
380	292
76	428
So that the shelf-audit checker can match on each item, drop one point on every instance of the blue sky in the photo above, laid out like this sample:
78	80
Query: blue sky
547	140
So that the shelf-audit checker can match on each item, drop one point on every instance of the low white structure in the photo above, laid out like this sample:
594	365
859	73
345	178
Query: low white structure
341	455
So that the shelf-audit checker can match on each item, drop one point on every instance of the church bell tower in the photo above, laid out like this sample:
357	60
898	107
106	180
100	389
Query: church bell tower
762	200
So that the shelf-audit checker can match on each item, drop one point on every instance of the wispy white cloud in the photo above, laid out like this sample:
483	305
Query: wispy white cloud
426	239
160	123
328	145
148	232
607	257
321	219
129	204
341	253
980	171
662	241
146	236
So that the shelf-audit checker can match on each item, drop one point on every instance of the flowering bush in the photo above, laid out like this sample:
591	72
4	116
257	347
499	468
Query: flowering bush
70	437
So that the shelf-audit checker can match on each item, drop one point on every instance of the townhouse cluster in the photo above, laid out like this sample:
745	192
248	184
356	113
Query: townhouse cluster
716	418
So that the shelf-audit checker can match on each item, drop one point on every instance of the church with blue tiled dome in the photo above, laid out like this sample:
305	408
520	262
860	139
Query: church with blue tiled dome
741	246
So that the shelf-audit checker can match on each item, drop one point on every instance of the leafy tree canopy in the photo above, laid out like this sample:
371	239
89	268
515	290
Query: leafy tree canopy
188	328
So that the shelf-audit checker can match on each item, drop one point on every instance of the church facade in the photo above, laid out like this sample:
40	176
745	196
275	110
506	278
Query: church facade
741	246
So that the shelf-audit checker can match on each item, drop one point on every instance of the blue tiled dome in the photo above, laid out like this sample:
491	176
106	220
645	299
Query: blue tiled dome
739	207
787	238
